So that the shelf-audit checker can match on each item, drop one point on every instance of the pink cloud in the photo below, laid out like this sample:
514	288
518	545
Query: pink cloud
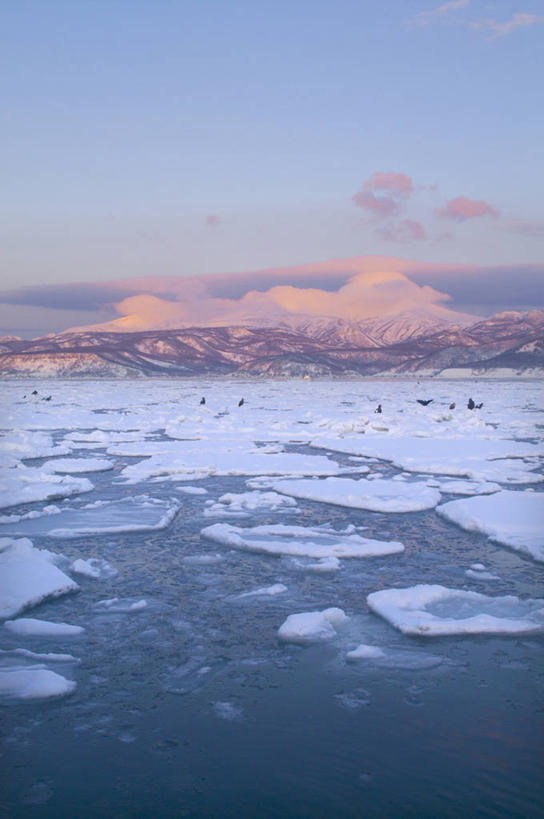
405	231
398	183
212	220
396	186
378	205
462	208
497	29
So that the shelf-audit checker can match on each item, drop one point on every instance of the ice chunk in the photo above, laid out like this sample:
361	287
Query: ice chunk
116	605
266	591
392	658
241	504
33	683
472	457
228	711
28	576
72	466
299	541
29	627
312	626
432	610
379	495
95	567
25	484
134	514
514	519
44	658
460	487
192	490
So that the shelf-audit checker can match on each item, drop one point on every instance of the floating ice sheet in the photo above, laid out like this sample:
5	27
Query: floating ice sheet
33	683
243	503
461	487
478	458
432	610
134	514
515	519
70	466
25	484
312	626
28	576
30	627
299	541
393	658
378	495
95	567
265	591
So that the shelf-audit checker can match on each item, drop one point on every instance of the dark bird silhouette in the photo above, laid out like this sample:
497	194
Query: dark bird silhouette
47	399
452	405
241	402
202	400
378	409
479	406
34	392
470	404
424	403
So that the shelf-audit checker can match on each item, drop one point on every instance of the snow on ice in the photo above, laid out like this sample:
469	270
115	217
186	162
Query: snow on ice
515	519
433	610
379	495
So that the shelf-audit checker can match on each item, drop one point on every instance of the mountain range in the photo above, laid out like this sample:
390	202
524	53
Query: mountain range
509	343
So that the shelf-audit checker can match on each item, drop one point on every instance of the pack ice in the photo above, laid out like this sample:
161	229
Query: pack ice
312	626
379	495
25	484
299	541
433	610
140	513
515	519
28	576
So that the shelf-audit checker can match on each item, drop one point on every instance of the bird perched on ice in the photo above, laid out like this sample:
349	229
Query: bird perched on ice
378	409
423	402
479	406
470	404
241	402
452	405
202	400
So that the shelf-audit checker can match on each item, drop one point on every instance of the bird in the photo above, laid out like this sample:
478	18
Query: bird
424	403
378	409
202	400
479	406
452	405
470	404
34	392
47	399
241	402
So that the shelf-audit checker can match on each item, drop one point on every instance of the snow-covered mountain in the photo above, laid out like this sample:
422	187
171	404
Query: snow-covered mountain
404	344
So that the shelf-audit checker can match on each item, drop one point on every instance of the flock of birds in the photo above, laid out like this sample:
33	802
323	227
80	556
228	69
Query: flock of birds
426	401
423	401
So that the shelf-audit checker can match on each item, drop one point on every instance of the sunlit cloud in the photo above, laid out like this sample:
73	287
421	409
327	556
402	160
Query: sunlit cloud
392	189
462	209
495	29
427	17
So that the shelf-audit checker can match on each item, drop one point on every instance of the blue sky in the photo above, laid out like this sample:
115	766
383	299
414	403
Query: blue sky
180	138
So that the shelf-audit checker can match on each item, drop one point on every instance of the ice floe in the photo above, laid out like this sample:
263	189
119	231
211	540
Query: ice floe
312	626
25	484
95	567
433	610
70	466
116	605
134	514
477	458
299	541
28	576
242	504
514	519
377	496
265	591
30	627
460	487
393	658
32	683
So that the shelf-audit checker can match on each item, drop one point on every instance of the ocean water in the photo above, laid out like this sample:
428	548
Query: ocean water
190	705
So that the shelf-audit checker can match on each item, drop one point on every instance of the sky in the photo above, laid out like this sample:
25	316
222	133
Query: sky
183	138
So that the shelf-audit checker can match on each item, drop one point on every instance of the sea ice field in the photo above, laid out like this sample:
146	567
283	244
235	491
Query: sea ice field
296	607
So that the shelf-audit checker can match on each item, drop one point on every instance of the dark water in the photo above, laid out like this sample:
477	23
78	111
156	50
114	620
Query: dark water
191	707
